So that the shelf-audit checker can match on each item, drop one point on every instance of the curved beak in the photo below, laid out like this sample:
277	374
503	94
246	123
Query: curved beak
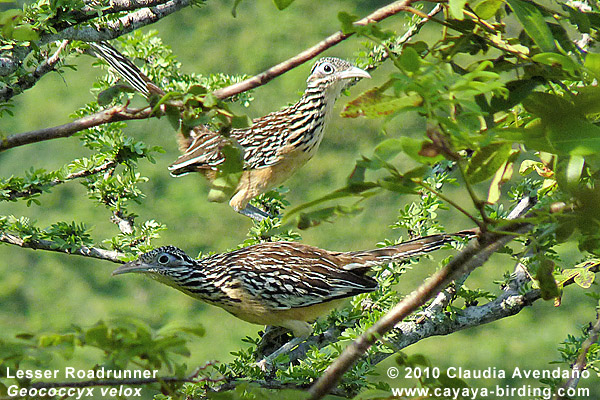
133	266
354	72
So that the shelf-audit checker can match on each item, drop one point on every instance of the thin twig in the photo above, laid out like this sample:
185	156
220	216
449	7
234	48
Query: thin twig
29	80
75	175
114	114
451	202
581	361
41	244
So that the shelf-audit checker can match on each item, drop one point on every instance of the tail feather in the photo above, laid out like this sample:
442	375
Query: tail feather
402	251
127	69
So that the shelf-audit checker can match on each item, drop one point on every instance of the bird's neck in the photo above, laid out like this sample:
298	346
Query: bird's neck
194	281
313	110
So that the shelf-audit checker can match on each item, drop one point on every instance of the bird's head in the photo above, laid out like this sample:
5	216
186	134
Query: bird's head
330	72
167	264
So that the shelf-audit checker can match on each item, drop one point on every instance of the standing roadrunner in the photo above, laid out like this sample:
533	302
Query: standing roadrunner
282	284
275	146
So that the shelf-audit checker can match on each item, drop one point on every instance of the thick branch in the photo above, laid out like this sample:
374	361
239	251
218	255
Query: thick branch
311	52
89	12
120	26
152	11
114	114
93	252
473	256
27	81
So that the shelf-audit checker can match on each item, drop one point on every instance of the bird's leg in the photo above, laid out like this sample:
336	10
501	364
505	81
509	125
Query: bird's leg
301	330
272	338
255	213
266	363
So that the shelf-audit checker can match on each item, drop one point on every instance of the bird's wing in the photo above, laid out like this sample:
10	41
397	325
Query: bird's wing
288	275
262	144
203	153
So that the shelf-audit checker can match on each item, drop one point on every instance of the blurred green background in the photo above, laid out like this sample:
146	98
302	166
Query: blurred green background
42	292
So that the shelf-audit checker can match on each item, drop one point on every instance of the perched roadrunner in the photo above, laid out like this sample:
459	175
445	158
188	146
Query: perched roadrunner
275	146
284	284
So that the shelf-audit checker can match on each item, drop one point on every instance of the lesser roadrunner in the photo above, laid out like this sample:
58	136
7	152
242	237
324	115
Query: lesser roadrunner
275	146
284	284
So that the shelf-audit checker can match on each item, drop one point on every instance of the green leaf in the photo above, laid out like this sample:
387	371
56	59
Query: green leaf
533	23
517	91
578	18
210	100
314	218
488	8
419	150
282	4
347	21
553	59
236	3
106	96
545	276
234	159
592	63
572	135
502	175
410	60
456	8
241	121
11	16
374	104
574	170
388	149
584	278
487	160
173	115
25	32
587	100
547	104
355	189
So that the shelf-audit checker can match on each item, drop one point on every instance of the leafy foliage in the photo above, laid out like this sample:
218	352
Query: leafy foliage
488	102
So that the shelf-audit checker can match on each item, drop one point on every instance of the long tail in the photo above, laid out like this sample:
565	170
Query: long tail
127	69
402	251
140	82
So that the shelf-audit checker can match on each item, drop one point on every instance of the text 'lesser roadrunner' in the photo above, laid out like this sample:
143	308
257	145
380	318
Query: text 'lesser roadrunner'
275	146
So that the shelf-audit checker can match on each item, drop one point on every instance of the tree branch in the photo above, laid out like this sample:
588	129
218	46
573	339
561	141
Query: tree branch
114	114
75	175
40	244
472	257
152	11
89	12
120	26
581	362
28	81
273	72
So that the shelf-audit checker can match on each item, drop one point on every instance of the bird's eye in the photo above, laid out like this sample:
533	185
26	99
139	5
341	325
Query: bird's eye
163	259
327	68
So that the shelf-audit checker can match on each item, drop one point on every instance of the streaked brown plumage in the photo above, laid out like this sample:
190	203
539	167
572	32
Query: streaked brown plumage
283	284
275	146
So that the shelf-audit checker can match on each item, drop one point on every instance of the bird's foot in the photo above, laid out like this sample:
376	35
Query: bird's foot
266	364
255	213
